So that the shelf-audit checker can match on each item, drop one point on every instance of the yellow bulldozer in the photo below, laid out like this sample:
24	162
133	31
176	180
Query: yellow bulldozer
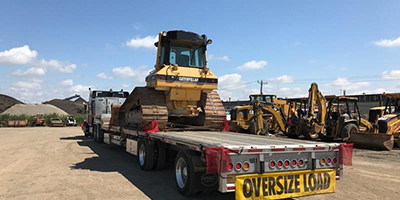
264	113
179	92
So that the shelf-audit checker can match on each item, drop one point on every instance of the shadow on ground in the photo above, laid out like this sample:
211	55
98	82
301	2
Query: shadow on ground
157	185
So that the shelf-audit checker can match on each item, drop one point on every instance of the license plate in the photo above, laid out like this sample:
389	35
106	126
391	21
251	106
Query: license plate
283	185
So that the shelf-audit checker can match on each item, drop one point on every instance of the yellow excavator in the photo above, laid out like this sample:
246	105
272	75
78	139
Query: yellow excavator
264	113
179	92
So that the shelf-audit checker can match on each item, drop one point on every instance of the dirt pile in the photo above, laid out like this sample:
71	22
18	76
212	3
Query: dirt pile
30	109
73	108
6	102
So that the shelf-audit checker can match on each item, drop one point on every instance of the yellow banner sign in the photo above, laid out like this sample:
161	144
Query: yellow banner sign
285	184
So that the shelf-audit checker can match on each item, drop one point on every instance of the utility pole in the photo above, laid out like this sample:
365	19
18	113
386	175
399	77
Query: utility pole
261	82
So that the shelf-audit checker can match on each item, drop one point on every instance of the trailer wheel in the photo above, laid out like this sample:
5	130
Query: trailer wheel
145	155
348	129
100	135
184	173
161	154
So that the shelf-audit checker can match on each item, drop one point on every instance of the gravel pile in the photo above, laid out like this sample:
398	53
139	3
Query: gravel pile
73	108
6	102
30	109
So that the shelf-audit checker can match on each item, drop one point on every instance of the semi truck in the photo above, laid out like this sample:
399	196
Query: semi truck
179	113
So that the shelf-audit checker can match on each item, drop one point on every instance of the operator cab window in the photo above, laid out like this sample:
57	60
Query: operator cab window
186	56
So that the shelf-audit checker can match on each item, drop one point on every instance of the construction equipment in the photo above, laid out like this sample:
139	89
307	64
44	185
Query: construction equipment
179	92
260	116
70	121
38	120
17	123
307	117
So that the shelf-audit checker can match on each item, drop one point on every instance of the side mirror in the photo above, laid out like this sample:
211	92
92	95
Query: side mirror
209	41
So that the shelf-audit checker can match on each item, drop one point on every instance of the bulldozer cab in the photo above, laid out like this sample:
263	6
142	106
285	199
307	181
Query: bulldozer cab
392	105
182	48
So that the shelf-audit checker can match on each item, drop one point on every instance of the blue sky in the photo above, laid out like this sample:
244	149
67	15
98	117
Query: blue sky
52	49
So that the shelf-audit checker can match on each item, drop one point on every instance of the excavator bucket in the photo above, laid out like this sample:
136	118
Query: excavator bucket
376	141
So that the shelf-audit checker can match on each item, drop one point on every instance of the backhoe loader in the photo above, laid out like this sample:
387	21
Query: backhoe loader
386	121
264	113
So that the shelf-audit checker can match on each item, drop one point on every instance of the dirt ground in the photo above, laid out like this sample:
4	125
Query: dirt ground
59	163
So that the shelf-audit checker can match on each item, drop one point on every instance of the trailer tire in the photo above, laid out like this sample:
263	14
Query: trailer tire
185	177
161	155
145	155
347	130
100	135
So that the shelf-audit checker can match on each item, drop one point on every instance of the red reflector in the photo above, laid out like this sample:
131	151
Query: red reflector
280	163
319	148
229	166
301	162
230	188
238	166
334	160
254	150
299	149
272	164
286	163
294	162
277	149
338	178
328	160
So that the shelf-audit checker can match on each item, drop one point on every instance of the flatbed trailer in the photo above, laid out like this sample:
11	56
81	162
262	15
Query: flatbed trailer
229	162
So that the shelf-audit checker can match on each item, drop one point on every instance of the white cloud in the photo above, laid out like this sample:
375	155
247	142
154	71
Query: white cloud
67	82
124	86
29	72
253	65
345	84
102	75
146	42
137	74
55	65
232	86
212	57
394	74
17	56
282	79
388	42
27	91
295	92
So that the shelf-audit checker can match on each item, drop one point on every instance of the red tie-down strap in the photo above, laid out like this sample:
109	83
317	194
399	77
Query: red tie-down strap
346	154
217	159
151	127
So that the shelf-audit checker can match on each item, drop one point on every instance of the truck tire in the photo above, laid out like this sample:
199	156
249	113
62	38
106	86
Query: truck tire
145	155
185	177
100	135
311	136
94	132
161	155
347	130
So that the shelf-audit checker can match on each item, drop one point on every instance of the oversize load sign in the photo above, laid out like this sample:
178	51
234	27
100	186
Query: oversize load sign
285	184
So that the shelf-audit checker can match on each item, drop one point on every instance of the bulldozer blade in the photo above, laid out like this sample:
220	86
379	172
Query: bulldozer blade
375	141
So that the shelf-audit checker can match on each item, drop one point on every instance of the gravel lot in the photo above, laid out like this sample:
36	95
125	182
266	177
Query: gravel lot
59	163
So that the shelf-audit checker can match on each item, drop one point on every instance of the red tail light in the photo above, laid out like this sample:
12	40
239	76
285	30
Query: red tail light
229	166
322	161
279	164
301	163
286	163
272	164
334	160
328	161
238	166
294	162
